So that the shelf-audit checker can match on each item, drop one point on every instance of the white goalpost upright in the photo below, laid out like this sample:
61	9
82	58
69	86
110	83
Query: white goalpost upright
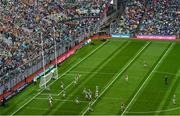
55	53
53	74
43	80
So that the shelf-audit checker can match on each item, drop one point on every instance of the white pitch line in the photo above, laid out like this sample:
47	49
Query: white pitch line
52	94
59	77
62	100
46	109
116	77
90	72
159	62
158	111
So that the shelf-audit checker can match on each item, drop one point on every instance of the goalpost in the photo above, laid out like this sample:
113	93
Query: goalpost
47	77
53	74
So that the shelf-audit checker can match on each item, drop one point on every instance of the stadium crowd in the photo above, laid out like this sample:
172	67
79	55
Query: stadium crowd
129	21
153	17
25	24
161	18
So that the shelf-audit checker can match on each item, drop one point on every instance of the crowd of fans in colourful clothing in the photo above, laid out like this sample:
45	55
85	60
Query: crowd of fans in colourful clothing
22	22
129	21
154	17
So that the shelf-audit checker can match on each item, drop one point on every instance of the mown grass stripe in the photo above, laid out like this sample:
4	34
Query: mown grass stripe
167	95
143	84
104	62
116	76
147	74
155	91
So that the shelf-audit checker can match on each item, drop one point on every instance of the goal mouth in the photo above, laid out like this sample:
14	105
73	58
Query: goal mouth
51	75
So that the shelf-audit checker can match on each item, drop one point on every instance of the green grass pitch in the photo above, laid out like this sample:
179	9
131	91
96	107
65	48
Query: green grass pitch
105	65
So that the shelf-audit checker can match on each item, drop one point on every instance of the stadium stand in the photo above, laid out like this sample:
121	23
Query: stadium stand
128	22
160	19
153	17
22	22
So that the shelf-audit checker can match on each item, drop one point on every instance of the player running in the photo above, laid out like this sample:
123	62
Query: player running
126	78
50	100
78	76
62	86
63	93
76	79
89	94
145	64
75	82
77	100
97	92
122	106
85	93
50	97
174	99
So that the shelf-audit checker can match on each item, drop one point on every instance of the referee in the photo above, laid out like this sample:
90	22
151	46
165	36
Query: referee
166	80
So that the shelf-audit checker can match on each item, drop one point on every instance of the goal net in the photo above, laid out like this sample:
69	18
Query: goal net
47	77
